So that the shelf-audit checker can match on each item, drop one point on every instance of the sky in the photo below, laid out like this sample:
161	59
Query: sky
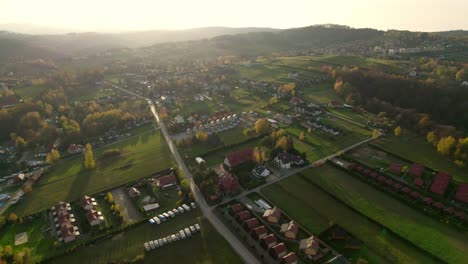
126	15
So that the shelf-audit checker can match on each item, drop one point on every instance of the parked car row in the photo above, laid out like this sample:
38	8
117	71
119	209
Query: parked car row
182	234
171	213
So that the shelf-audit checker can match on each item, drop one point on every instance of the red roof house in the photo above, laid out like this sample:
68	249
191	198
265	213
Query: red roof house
418	182
415	194
94	217
229	184
167	181
449	210
88	202
259	232
272	215
416	170
237	158
278	251
242	216
289	258
235	208
462	193
289	230
309	246
438	205
251	223
460	215
427	200
440	183
268	241
396	168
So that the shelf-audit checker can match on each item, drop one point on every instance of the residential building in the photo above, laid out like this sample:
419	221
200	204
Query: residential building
88	203
272	215
309	246
133	192
259	232
289	230
278	251
268	241
94	217
238	158
285	160
290	258
166	181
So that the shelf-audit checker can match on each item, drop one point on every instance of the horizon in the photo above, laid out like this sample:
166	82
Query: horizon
142	15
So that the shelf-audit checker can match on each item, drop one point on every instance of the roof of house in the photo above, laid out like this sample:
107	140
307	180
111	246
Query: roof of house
395	167
9	101
427	200
278	249
133	191
416	169
440	182
235	208
289	258
438	205
167	180
310	242
286	157
269	239
92	215
290	227
86	201
229	183
240	157
462	193
241	216
415	194
251	223
418	181
274	212
260	230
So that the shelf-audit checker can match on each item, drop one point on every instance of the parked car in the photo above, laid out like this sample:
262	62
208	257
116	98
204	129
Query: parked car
187	232
193	205
152	245
156	243
165	241
180	209
197	226
161	242
147	246
166	215
171	213
192	228
162	217
186	207
169	239
175	211
182	234
157	220
174	238
152	221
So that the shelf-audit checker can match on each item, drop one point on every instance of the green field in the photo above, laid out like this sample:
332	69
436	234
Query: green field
415	148
438	238
206	247
234	136
142	156
317	210
27	93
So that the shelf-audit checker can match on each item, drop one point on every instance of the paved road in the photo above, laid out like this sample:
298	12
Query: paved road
238	246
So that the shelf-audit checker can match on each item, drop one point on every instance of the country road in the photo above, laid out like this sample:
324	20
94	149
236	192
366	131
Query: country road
207	211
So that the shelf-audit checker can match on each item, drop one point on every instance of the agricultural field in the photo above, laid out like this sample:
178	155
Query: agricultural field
206	247
317	210
320	93
416	148
141	156
27	93
439	239
270	71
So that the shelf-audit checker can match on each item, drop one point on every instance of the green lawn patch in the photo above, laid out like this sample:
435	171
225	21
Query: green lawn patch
142	156
427	233
28	93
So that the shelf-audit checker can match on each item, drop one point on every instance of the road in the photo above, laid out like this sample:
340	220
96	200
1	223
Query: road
207	211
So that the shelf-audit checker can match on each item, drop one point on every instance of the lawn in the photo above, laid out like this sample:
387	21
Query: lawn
141	156
415	148
234	136
349	114
439	239
316	210
40	240
28	93
205	247
320	93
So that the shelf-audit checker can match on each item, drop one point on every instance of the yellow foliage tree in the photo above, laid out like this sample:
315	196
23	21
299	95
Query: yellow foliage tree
302	136
52	156
201	136
12	217
262	126
431	138
309	130
375	133
274	100
446	145
397	131
89	161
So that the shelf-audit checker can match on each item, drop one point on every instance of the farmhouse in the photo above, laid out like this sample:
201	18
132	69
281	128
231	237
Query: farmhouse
88	203
259	232
440	183
237	158
278	251
166	181
94	217
272	215
268	241
285	160
289	258
309	246
289	230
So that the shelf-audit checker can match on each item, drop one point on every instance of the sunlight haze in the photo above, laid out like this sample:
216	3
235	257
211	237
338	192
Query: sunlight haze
118	15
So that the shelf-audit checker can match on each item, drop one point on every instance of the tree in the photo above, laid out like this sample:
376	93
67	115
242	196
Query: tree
431	138
257	155
375	133
285	143
110	197
459	163
274	100
302	136
397	131
117	208
52	156
262	126
309	130
12	217
20	144
8	251
460	75
446	145
89	161
201	136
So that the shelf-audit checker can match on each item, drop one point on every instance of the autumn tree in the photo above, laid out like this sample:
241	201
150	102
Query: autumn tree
431	138
201	136
274	100
110	197
262	126
309	130
446	145
460	75
12	217
302	136
89	162
52	156
285	143
397	131
375	133
20	144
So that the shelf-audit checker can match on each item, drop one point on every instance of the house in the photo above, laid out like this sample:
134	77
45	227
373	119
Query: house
179	119
295	100
235	208
199	160
251	224
166	181
396	168
19	178
289	230
88	203
268	241
94	217
279	250
464	83
418	182
237	158
229	184
151	207
440	183
9	101
311	110
272	215
242	216
67	233
133	192
290	258
416	170
462	193
283	119
259	232
260	171
309	246
335	104
75	149
32	180
285	160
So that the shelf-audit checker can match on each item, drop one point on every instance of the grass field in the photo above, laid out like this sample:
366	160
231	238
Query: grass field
29	92
234	136
316	210
438	238
206	247
320	93
141	156
415	148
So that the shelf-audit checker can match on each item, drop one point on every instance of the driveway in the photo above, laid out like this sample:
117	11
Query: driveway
130	212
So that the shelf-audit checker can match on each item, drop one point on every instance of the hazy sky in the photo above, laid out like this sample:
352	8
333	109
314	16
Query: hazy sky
94	15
